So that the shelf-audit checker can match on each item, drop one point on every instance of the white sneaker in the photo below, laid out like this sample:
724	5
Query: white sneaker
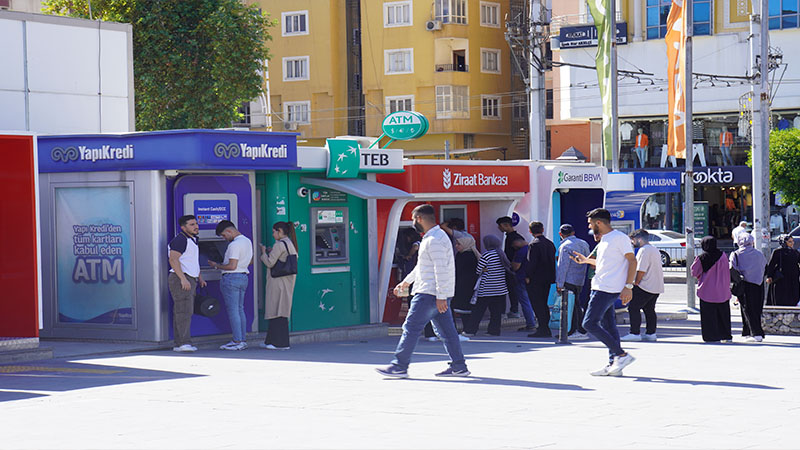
230	343
234	346
578	336
752	339
185	348
432	339
631	338
272	347
758	338
462	338
620	362
649	337
467	335
606	372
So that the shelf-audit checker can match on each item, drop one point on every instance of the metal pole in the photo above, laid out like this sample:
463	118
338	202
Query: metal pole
614	89
688	213
761	203
446	149
536	117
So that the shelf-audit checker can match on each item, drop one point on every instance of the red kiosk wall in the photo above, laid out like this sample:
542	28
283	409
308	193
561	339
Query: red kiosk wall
19	265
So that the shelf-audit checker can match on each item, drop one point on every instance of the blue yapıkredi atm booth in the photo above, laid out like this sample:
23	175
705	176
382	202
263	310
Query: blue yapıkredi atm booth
110	204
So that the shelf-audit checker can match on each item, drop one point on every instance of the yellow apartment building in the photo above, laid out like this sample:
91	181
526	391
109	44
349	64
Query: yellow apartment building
340	66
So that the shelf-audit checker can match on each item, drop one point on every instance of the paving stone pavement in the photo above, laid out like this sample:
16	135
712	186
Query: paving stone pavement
524	393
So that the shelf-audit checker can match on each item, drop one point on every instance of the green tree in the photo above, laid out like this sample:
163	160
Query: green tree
784	164
195	61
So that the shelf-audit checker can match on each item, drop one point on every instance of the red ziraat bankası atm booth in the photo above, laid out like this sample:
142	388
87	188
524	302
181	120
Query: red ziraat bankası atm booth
19	238
472	191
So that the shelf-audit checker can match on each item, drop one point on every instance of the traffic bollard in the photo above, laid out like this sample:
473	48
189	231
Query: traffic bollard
564	321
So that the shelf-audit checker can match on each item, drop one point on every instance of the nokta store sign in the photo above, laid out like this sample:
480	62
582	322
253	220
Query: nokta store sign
467	178
180	149
724	176
657	182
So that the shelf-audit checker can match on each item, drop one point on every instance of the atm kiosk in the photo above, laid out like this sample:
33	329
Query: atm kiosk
111	203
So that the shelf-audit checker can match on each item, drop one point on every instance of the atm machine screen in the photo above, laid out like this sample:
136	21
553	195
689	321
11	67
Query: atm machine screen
211	209
330	229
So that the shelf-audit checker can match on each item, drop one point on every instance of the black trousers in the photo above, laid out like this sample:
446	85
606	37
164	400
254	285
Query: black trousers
511	282
643	301
715	321
752	305
496	305
578	311
539	294
278	332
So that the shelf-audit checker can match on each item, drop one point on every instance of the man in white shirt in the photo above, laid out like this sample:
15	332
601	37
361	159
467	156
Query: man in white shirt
649	284
184	277
615	271
238	256
434	279
742	228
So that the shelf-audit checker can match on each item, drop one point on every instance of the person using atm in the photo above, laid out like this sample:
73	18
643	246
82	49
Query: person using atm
238	256
184	276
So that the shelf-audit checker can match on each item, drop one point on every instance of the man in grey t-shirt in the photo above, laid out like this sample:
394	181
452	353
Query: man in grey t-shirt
648	285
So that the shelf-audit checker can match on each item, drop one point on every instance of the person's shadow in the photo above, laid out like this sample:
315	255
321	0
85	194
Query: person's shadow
705	383
504	382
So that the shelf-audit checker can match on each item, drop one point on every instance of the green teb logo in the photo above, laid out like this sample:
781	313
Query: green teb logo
344	156
405	125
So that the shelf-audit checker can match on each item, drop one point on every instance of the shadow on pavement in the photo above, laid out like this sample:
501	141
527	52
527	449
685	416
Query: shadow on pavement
8	396
506	382
706	383
60	376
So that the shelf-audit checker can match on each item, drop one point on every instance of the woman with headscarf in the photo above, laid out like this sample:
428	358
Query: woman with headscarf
751	264
783	274
714	290
492	290
466	276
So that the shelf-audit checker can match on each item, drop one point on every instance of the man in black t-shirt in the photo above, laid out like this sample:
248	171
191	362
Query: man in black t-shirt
541	276
504	224
184	277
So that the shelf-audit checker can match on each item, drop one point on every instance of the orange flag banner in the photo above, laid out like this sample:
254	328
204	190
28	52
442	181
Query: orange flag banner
676	67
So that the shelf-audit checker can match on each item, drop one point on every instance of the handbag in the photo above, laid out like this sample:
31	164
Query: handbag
206	305
737	289
285	268
778	274
474	299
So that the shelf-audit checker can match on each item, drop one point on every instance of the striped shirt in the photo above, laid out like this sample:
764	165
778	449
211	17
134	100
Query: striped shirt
493	282
435	273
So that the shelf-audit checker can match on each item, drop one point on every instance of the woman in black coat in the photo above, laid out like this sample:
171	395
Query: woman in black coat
783	274
466	277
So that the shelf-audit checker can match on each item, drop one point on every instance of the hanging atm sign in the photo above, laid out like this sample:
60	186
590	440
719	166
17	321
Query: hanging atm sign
405	125
468	178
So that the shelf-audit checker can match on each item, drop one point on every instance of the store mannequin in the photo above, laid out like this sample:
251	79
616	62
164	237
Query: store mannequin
783	124
725	142
642	143
652	211
796	121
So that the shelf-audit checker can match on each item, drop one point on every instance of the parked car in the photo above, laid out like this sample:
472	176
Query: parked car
672	246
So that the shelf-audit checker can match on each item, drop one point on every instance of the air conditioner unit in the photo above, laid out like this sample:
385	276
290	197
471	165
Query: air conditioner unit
289	125
433	25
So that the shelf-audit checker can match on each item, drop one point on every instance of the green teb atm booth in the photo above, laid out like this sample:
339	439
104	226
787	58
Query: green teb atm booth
332	202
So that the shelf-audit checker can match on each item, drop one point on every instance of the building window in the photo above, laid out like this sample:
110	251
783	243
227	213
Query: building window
397	14
400	103
294	23
490	60
548	107
297	112
452	102
295	68
469	141
399	60
451	11
490	107
244	115
658	12
783	14
490	14
519	108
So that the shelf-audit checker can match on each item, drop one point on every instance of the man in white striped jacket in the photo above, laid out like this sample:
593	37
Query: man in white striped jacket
434	280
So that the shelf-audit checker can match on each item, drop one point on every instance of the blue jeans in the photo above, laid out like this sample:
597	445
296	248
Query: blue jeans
601	321
525	303
423	310
233	287
726	155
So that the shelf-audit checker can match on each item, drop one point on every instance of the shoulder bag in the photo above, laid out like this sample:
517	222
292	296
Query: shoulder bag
737	289
285	268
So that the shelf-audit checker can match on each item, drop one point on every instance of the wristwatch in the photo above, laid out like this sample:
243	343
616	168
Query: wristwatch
629	286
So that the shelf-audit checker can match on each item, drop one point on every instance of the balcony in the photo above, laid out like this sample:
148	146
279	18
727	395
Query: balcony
452	68
568	20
